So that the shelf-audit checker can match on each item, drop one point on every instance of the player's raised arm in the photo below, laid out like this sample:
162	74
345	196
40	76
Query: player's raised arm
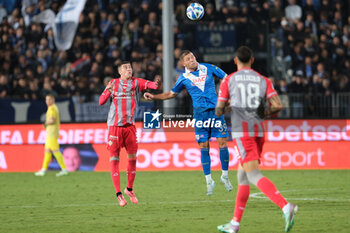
106	94
219	72
146	84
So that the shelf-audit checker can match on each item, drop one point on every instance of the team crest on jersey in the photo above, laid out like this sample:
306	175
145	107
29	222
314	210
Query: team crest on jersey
198	81
110	142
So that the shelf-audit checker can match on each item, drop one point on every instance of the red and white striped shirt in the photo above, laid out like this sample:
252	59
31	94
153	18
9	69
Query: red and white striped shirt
125	97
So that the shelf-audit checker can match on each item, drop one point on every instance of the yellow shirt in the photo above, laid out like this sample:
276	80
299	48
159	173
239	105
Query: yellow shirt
52	131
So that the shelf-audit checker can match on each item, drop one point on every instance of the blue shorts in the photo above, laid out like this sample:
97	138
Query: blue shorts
217	127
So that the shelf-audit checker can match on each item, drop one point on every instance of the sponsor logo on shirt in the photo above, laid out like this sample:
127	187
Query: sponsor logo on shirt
197	81
124	95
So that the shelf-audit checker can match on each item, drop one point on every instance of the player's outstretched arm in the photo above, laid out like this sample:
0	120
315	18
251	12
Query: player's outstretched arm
275	105
105	94
154	85
219	109
162	96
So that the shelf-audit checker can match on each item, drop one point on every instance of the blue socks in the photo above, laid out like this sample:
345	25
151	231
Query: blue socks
206	162
224	158
205	159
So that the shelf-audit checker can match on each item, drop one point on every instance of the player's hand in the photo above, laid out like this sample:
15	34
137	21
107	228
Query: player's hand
148	96
158	81
109	87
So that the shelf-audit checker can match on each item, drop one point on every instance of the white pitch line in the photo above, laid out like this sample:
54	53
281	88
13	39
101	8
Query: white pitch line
258	195
262	196
115	203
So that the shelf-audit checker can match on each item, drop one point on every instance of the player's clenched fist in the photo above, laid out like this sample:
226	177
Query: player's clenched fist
148	96
109	87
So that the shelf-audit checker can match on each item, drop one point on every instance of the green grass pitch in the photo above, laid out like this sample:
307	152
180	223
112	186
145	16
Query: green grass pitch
168	202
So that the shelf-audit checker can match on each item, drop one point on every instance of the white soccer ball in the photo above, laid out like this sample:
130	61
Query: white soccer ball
195	11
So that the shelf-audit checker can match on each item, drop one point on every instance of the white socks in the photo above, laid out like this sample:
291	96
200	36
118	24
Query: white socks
208	178
234	223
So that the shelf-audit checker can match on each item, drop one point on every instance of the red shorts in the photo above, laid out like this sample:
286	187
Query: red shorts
122	136
248	148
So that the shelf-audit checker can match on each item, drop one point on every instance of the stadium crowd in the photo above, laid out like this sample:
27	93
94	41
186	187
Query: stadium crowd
312	36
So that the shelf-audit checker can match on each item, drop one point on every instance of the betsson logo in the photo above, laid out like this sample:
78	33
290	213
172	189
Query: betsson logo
307	133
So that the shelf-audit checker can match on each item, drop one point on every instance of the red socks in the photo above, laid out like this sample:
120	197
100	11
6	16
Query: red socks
115	175
241	201
131	172
270	190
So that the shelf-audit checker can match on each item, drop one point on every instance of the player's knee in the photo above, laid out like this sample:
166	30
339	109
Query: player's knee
204	144
222	143
131	156
254	176
242	177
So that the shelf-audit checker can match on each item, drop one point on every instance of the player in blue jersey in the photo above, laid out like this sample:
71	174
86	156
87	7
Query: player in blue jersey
199	81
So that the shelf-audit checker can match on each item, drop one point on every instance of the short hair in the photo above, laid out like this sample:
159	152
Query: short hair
184	53
244	54
123	63
50	95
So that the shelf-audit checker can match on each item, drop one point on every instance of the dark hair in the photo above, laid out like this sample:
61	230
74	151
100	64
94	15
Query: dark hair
184	53
123	63
244	54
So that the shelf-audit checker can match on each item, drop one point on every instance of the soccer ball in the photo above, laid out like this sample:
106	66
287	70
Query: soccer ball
195	11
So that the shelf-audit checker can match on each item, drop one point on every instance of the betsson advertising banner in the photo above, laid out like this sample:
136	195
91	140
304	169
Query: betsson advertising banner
290	144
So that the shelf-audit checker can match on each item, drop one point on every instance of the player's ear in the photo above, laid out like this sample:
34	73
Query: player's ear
235	60
252	60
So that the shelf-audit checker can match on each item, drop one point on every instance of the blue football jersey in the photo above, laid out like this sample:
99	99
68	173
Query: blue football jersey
200	84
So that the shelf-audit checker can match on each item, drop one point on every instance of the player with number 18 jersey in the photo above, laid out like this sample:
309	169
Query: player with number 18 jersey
247	91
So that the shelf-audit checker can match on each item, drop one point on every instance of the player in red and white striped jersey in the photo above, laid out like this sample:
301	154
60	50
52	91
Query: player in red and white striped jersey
124	93
247	92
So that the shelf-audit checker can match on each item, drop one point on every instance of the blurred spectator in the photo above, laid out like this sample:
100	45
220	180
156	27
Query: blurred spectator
293	11
297	86
3	13
311	38
4	86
